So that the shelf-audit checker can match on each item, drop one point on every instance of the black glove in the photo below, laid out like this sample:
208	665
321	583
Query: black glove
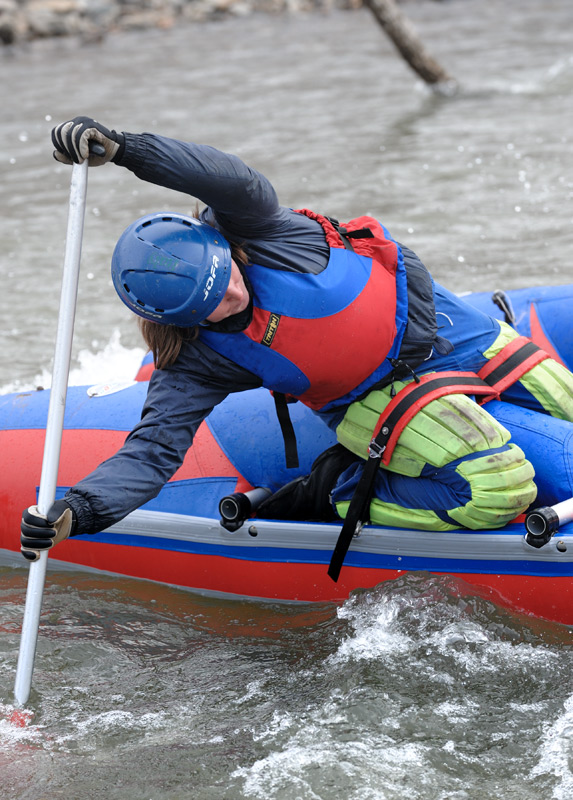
308	498
42	532
72	142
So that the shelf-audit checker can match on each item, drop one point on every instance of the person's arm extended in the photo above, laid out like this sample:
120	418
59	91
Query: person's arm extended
243	201
177	401
239	200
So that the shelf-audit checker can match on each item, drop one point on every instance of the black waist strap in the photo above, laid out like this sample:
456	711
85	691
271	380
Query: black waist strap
289	436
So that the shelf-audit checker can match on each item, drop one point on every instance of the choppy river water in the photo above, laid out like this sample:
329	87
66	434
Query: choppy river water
416	690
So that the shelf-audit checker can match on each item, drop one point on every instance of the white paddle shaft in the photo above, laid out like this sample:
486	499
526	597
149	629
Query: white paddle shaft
54	424
564	511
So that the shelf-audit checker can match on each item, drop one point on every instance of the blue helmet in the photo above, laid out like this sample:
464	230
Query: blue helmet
171	269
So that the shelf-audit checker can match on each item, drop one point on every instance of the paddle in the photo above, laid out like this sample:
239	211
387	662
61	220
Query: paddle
54	425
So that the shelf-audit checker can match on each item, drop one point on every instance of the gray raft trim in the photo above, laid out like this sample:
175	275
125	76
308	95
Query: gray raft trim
462	544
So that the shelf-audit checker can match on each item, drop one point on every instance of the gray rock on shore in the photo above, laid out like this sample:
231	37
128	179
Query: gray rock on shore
24	20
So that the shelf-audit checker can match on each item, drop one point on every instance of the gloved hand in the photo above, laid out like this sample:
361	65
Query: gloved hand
42	532
308	497
72	142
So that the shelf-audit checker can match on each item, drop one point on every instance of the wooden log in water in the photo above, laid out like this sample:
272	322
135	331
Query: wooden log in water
408	43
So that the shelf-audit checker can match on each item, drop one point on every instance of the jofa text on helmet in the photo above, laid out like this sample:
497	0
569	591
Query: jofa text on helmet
211	278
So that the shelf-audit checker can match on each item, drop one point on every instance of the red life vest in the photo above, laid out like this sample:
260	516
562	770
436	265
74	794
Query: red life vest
325	338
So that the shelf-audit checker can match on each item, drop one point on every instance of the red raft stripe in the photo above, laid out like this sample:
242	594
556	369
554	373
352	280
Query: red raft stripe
144	373
539	337
546	597
82	451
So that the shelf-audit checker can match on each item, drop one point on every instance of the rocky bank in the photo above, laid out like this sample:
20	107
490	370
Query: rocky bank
24	20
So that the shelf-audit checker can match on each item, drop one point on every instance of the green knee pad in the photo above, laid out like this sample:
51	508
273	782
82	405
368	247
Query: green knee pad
549	382
390	515
501	488
445	430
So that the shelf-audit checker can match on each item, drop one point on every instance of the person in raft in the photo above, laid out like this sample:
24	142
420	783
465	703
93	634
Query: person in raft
340	317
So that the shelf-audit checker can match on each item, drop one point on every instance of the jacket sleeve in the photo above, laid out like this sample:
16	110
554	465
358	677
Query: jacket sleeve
242	201
178	400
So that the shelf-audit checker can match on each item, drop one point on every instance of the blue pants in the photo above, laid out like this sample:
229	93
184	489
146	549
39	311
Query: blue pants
471	332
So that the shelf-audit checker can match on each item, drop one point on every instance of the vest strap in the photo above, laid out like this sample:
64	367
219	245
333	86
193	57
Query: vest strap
287	429
358	512
346	235
360	233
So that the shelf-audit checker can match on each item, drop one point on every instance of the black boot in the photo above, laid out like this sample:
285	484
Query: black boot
308	497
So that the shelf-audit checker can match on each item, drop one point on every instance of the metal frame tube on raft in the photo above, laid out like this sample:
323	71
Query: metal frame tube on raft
542	523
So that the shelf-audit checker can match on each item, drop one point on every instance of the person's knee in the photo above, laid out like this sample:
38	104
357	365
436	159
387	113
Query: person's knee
451	434
483	491
445	430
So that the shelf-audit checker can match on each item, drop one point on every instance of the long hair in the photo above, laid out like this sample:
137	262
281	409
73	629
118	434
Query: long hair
165	341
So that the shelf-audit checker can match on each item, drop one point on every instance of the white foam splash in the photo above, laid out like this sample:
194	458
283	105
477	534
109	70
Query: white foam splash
297	768
15	733
555	753
375	632
86	732
112	363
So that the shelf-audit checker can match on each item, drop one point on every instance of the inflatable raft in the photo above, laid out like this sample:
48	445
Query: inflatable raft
177	538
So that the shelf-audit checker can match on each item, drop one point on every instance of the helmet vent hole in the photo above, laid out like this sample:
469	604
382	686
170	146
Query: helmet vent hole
160	310
140	303
145	224
126	287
